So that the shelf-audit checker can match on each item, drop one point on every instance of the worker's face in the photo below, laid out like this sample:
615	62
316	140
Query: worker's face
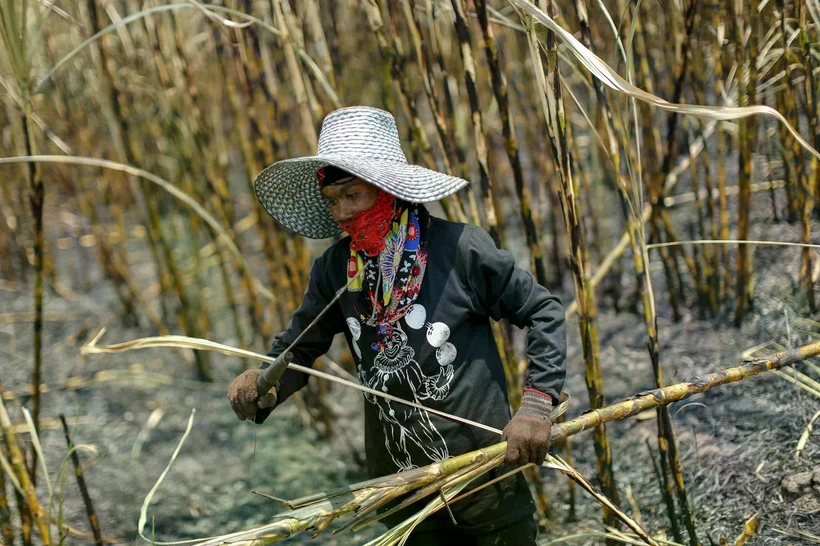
349	196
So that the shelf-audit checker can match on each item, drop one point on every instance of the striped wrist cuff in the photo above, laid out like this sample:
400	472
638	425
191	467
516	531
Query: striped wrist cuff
535	404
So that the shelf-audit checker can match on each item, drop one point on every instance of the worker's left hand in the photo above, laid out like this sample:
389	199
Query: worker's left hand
528	439
528	434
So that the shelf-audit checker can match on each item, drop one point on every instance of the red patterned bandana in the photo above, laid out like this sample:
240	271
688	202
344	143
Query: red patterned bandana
368	228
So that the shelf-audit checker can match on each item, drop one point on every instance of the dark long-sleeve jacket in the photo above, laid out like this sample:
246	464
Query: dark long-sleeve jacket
442	354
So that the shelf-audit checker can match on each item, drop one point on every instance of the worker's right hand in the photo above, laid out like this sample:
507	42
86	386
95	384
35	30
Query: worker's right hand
243	396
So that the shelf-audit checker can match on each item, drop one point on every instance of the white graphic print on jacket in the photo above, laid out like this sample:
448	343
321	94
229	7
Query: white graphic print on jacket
396	363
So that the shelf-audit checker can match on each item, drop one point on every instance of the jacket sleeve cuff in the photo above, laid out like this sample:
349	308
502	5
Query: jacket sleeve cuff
535	404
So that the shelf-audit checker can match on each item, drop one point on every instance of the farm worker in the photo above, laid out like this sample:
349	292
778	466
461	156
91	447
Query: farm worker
416	316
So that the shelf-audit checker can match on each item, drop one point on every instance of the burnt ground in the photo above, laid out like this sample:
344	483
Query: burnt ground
737	442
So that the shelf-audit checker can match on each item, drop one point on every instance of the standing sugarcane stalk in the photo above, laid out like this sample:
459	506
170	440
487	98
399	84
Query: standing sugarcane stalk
480	140
768	176
214	176
624	242
195	311
123	285
168	273
654	156
452	205
311	141
14	35
698	226
185	315
790	166
547	191
635	230
36	201
390	47
260	122
810	85
553	109
653	143
811	182
502	335
314	18
667	443
660	222
115	121
443	133
529	215
793	160
7	242
29	494
126	288
711	265
565	445
6	528
722	271
747	85
9	250
258	138
279	283
393	58
297	40
78	472
437	47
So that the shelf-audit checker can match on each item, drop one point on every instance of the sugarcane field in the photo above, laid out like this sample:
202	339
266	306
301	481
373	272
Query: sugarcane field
410	272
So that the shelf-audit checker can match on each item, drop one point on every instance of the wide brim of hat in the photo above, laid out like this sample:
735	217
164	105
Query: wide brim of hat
288	189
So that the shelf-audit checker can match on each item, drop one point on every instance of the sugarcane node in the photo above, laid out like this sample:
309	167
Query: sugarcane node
764	365
792	356
658	395
699	381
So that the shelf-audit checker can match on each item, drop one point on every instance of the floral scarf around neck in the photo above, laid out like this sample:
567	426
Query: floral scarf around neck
390	282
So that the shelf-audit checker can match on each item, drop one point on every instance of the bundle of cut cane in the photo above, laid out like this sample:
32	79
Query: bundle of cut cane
448	478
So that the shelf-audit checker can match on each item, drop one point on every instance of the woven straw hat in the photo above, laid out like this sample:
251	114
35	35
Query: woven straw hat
362	141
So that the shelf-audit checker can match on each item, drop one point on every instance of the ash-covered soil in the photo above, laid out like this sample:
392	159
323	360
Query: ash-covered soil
737	442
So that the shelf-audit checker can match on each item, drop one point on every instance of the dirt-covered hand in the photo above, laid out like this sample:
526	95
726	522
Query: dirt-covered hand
528	434
528	439
243	396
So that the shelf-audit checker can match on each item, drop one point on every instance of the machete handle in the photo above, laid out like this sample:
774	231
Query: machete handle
270	376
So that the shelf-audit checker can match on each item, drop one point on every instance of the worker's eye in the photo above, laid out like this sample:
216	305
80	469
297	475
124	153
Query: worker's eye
331	201
353	197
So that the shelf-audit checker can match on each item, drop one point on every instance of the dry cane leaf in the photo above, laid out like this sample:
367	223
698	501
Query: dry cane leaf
186	342
613	80
804	438
200	211
749	529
